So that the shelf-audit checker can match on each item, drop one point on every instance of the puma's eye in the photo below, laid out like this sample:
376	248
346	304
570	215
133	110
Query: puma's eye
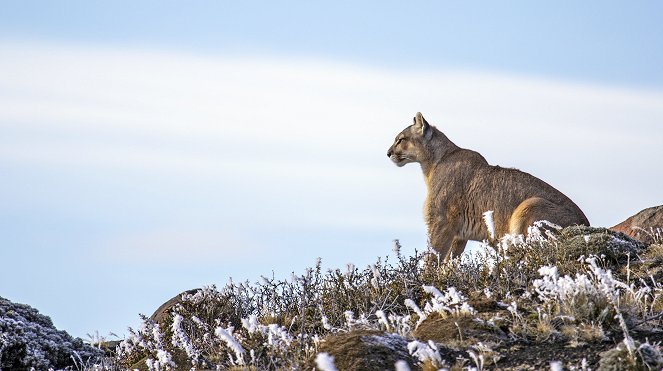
399	140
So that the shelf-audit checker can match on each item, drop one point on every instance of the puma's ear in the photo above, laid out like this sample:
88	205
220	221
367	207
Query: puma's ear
423	125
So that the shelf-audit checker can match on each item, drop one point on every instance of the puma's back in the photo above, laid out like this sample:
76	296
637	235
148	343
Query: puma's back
507	191
462	186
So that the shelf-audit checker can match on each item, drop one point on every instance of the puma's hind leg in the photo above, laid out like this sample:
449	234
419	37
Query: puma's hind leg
532	210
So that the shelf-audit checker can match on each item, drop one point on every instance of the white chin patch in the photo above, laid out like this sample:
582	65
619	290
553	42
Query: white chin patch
398	161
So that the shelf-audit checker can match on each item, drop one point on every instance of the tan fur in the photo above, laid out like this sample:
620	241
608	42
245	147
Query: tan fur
462	186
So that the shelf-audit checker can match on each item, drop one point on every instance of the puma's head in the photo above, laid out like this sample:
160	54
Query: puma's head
411	144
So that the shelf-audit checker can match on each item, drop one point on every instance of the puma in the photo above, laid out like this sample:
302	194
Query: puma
462	186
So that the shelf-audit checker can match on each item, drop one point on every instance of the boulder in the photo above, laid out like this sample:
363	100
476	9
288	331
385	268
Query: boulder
367	350
577	241
449	330
163	312
646	226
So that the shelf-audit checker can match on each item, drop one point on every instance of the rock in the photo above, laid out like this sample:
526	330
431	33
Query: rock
207	304
367	350
643	226
28	340
577	241
160	315
446	330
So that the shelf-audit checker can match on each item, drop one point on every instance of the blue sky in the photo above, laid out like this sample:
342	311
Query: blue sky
151	147
602	41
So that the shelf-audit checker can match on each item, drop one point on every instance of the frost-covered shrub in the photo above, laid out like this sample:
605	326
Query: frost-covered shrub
29	339
277	322
450	303
587	296
595	295
554	291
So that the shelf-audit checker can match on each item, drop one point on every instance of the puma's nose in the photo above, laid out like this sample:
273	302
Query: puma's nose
389	153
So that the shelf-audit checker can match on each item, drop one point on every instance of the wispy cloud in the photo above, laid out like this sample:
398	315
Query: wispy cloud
316	128
177	245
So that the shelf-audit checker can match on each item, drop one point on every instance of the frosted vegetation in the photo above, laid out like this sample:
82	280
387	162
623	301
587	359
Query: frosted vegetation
29	339
572	287
594	294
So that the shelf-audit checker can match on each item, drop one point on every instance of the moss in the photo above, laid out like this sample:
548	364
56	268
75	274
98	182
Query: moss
456	331
367	350
577	241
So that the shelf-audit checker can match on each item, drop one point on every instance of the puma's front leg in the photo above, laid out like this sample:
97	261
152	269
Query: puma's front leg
443	239
457	247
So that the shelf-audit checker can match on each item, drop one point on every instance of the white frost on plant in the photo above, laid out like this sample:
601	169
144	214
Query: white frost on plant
181	340
450	302
556	366
352	322
325	362
164	361
382	318
231	342
490	223
250	324
607	284
325	323
164	358
316	340
395	323
548	270
425	351
540	231
402	366
551	287
477	358
156	335
597	288
375	280
412	305
599	283
400	324
432	290
277	336
513	308
349	317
